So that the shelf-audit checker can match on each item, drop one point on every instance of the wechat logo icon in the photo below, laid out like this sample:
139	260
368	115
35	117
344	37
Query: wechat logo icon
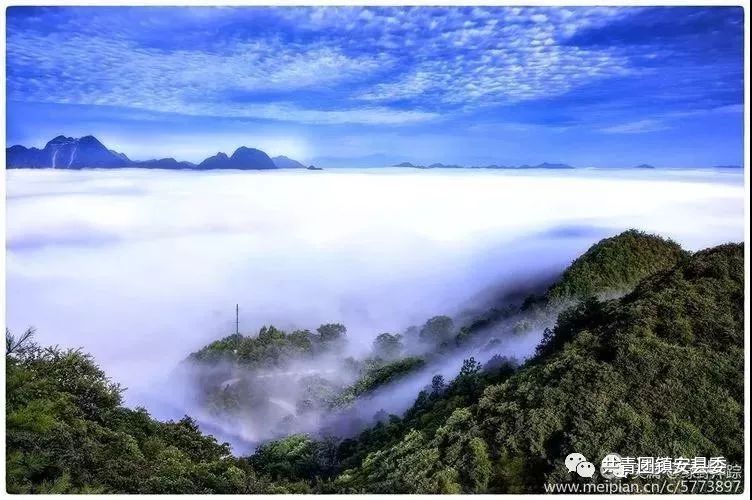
576	462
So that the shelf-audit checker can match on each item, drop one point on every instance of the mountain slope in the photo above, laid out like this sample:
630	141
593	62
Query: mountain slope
251	158
655	373
88	152
424	349
547	165
21	157
285	162
615	265
164	163
242	159
67	432
66	153
611	266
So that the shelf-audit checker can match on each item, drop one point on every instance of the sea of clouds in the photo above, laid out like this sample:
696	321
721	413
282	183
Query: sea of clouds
140	268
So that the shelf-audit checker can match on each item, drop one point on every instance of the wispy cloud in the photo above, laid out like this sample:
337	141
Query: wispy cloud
114	72
434	57
636	127
668	120
438	71
505	56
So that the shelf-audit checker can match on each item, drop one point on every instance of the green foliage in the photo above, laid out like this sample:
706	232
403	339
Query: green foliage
613	376
610	267
655	373
388	346
296	457
67	433
21	345
615	265
431	409
332	332
377	377
455	460
224	371
272	347
438	330
318	393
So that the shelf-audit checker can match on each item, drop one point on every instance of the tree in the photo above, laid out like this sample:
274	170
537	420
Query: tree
437	385
296	457
388	346
66	432
331	333
20	345
437	330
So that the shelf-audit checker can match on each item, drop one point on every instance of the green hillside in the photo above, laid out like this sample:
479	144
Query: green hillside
67	432
609	268
656	372
615	265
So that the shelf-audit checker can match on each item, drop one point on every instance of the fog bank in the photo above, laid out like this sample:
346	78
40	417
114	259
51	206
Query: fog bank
142	267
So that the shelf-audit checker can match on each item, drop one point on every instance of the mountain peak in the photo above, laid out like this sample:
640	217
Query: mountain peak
244	158
60	139
243	149
64	152
546	164
90	139
286	162
250	158
616	264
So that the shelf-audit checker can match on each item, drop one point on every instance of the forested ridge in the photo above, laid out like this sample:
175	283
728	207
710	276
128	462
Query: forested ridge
655	372
658	372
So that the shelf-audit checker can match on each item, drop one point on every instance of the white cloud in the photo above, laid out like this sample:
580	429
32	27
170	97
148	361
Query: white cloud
116	72
501	57
124	264
430	59
636	127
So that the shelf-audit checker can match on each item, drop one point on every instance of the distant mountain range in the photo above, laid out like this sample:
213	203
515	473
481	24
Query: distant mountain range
499	167
88	152
545	165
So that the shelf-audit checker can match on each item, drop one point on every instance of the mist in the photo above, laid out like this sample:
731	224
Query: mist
141	268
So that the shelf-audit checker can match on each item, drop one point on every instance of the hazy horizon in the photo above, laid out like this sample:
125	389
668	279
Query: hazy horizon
372	162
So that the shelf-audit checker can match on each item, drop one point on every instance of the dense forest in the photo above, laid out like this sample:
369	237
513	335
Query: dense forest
642	353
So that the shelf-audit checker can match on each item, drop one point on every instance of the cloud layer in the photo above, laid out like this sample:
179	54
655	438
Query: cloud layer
140	268
332	64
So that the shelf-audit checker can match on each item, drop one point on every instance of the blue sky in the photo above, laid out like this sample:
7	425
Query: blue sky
360	86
